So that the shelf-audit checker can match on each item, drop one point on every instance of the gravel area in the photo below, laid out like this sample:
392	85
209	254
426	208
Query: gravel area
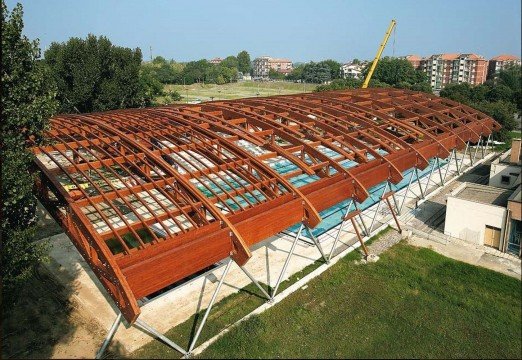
384	242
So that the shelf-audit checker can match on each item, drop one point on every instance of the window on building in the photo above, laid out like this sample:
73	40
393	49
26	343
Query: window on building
504	179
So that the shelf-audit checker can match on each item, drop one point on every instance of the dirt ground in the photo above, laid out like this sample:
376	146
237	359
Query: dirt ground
44	323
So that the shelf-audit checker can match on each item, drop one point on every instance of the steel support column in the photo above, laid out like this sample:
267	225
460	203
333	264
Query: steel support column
366	232
464	155
378	206
317	244
338	235
287	261
440	172
149	329
418	182
255	282
399	210
476	150
429	178
109	336
207	312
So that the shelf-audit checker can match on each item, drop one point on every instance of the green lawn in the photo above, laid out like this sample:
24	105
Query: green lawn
204	92
511	135
412	303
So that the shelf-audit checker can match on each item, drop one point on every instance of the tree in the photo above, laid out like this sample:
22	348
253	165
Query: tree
150	82
230	62
275	75
316	72
243	59
92	74
339	84
335	68
28	100
296	73
512	78
398	73
195	71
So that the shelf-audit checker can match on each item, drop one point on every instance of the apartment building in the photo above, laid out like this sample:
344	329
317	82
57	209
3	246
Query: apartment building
500	62
444	69
415	61
262	65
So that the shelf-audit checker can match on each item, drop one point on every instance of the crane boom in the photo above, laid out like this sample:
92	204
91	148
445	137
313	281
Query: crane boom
379	53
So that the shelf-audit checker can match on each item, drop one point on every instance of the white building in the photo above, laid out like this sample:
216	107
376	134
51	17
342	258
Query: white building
351	71
490	215
478	214
505	171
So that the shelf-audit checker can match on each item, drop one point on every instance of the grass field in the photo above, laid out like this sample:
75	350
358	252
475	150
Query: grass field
205	92
412	303
511	135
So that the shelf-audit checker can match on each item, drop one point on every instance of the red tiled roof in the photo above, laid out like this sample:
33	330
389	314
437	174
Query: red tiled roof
505	57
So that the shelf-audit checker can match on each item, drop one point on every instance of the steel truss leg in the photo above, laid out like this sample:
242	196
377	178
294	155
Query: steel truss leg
287	261
394	199
255	282
429	178
449	164
378	206
362	220
109	336
464	155
149	329
456	162
487	145
338	235
317	244
476	151
212	300
418	182
440	173
393	214
399	210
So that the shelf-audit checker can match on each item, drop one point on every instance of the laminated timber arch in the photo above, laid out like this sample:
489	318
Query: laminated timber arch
152	196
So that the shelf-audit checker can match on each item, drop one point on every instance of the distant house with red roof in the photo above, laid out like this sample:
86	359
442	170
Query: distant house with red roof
500	62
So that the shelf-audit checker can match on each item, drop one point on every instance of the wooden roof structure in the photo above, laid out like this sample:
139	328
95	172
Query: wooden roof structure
152	196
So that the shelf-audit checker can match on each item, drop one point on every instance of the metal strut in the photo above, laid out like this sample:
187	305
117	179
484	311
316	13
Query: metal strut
109	336
378	206
399	210
287	261
338	235
429	178
464	155
207	312
349	215
147	328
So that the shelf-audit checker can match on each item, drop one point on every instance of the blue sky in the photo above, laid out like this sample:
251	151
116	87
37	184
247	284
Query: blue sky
300	30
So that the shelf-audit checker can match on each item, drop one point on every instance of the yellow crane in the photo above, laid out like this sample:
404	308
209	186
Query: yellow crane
379	53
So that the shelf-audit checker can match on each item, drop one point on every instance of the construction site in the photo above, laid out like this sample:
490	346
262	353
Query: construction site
158	201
